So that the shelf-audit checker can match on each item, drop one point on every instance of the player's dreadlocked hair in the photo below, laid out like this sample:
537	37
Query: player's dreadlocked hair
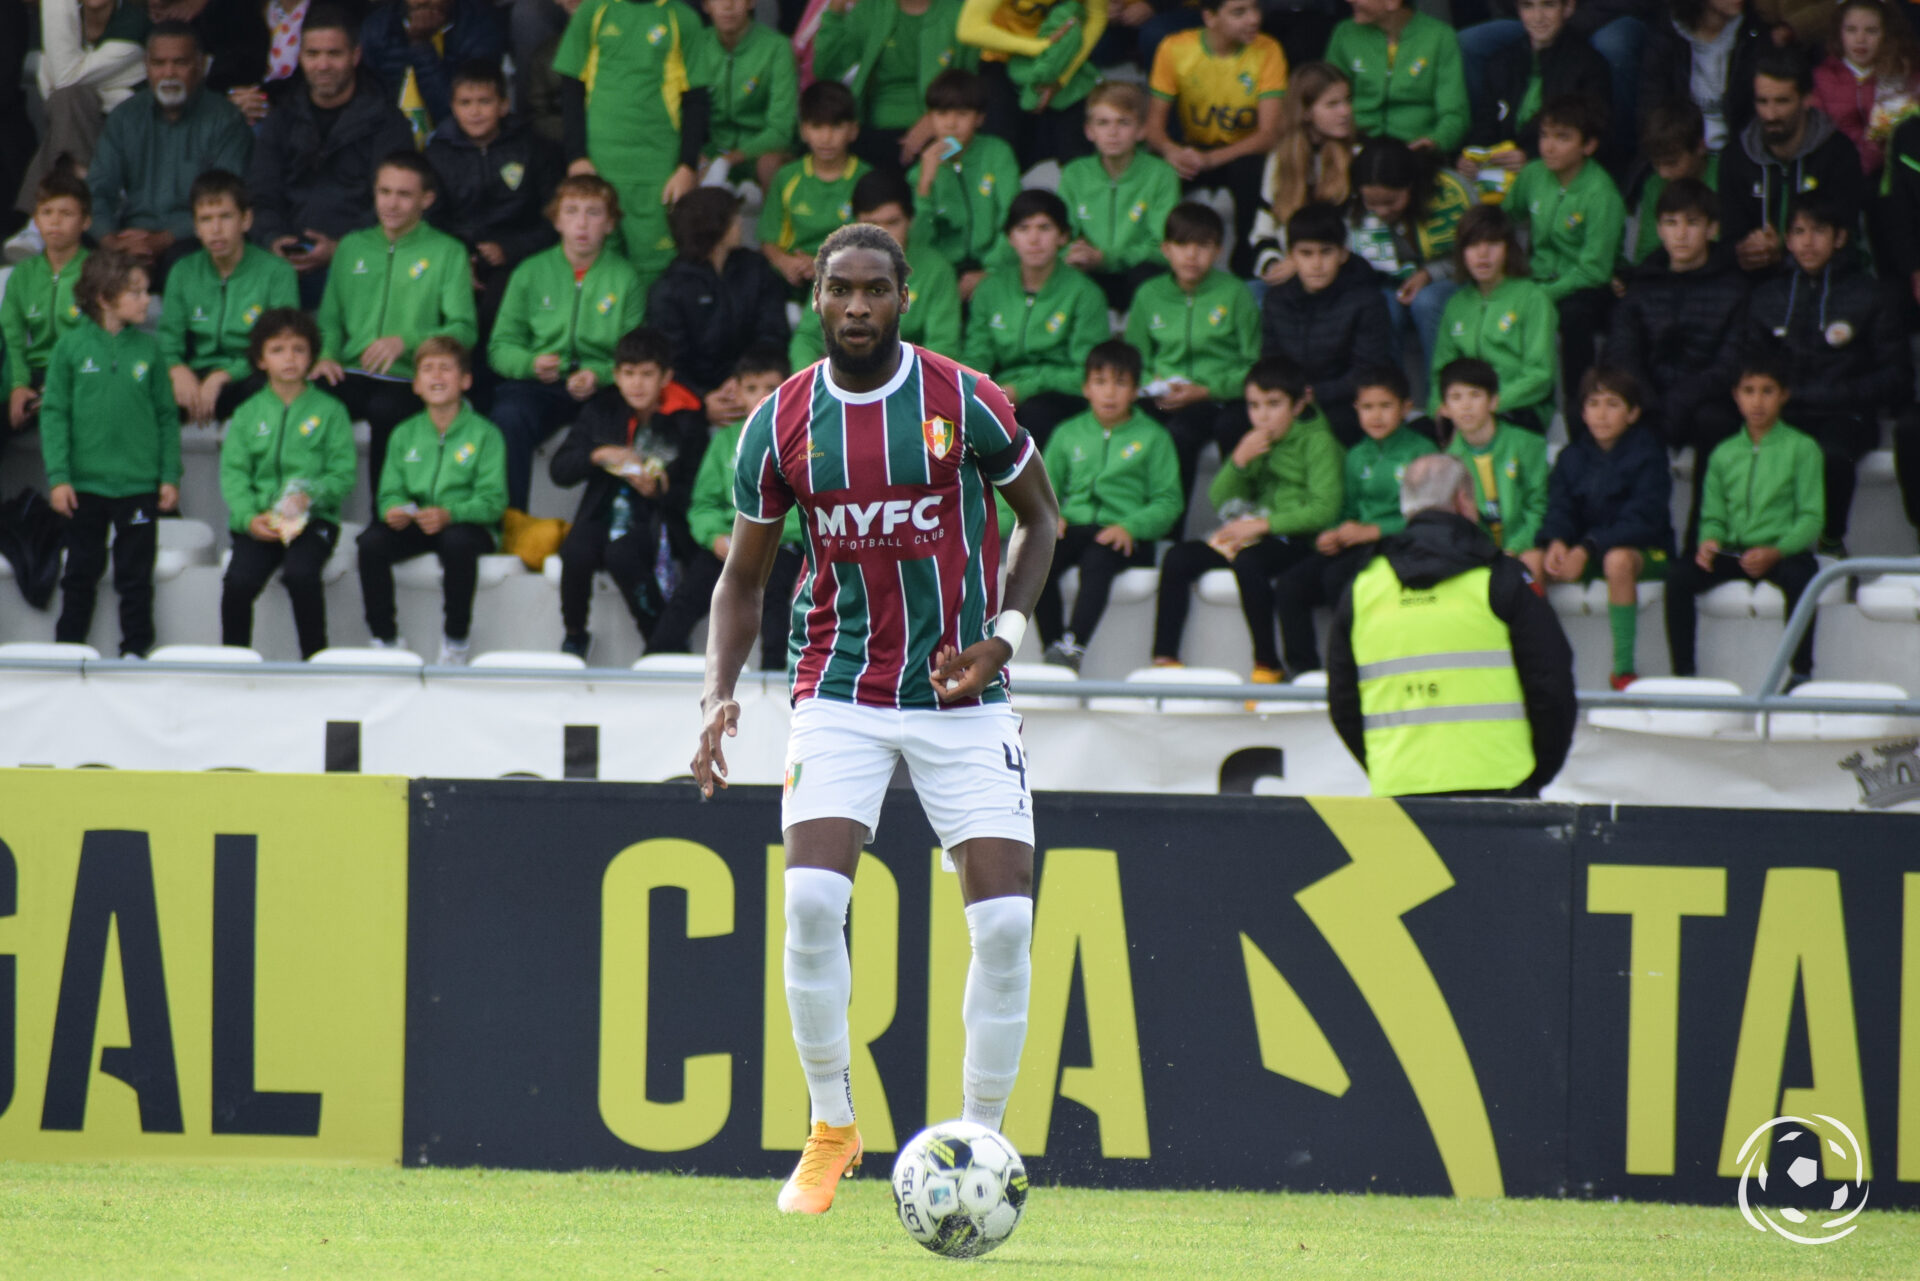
863	235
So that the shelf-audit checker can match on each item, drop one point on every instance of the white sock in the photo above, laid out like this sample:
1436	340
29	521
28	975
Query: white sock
819	984
995	1008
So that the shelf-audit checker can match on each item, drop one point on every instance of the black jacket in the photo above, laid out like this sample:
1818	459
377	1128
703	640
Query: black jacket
298	182
1568	65
681	432
497	192
1756	185
1435	546
1666	68
1331	335
714	316
1843	335
1901	234
1607	498
1679	335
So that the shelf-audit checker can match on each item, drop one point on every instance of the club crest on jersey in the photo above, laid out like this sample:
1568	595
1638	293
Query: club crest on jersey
310	426
1246	82
419	268
656	35
513	174
938	433
464	455
251	314
793	778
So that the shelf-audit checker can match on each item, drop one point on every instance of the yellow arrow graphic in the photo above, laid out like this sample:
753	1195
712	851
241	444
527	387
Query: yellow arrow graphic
1291	1042
1358	910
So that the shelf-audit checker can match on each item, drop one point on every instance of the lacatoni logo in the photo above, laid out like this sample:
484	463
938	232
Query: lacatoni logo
1789	1198
888	516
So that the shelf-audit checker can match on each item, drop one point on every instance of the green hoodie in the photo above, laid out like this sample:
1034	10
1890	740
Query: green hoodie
1374	471
464	471
1416	90
1515	329
710	509
932	318
1295	484
1576	229
967	209
108	424
417	287
544	312
1125	218
206	321
1516	460
1769	494
1210	336
848	45
1035	342
270	442
38	308
1129	476
755	90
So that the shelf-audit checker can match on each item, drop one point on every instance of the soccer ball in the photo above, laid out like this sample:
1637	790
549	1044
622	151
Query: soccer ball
960	1189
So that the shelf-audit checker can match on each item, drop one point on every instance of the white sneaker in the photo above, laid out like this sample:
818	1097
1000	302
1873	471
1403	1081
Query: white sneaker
374	642
25	244
454	653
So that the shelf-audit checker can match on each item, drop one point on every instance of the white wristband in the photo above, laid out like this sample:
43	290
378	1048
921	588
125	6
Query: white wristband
1011	627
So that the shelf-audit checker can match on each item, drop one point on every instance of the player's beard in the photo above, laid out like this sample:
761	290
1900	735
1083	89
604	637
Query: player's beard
886	342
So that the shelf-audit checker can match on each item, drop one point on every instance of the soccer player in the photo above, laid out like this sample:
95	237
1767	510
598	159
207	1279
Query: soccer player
900	645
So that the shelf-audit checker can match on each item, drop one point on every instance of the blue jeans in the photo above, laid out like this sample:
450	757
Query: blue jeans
1619	42
1422	315
527	412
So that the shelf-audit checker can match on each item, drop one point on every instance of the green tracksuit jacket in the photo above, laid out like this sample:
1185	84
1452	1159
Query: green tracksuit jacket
1576	229
417	287
1770	494
1513	511
1210	336
1035	342
1373	473
270	442
37	310
1125	218
1516	329
803	209
544	312
1646	232
108	424
206	321
1296	484
967	209
464	471
1129	476
710	509
1416	90
848	45
755	91
932	318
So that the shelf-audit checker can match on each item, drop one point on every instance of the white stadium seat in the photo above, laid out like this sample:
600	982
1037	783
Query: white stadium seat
47	649
1891	598
204	654
671	663
1029	678
531	660
1675	724
1173	676
356	656
1814	726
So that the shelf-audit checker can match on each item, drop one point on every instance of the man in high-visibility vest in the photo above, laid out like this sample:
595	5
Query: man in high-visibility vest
1446	674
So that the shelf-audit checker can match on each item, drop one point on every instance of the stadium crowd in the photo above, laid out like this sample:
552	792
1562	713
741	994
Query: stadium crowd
1323	238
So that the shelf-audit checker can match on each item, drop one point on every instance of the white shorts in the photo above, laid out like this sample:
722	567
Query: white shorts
968	766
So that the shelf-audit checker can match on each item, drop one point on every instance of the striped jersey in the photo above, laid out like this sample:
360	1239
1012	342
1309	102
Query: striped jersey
903	545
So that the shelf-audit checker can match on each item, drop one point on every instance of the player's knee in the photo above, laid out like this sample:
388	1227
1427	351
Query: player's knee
816	903
1002	929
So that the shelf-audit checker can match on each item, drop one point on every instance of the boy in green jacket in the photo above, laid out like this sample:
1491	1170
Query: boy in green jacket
756	375
562	315
888	52
755	91
1761	513
1408	80
111	439
1501	316
443	489
1275	492
813	197
285	466
965	179
1577	220
1118	198
39	306
1508	463
1119	485
932	315
391	286
1198	333
1031	325
1371	511
214	297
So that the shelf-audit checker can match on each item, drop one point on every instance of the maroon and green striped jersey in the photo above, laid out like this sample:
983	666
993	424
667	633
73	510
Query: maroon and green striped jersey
903	546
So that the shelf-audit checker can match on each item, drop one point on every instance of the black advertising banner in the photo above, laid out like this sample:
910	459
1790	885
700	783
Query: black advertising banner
1266	993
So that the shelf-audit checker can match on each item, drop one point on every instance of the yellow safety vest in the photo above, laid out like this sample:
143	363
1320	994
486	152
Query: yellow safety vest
1440	698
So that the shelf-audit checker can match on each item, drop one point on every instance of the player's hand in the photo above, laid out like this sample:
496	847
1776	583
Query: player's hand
208	404
1116	537
1082	255
64	500
1704	554
319	256
186	390
1756	561
1410	289
1186	162
582	383
710	762
433	519
1182	395
958	676
580	166
491	251
1063	530
261	528
398	518
546	367
1512	161
725	404
1136	13
20	406
329	372
678	184
169	498
1328	543
1420	144
1467	167
380	354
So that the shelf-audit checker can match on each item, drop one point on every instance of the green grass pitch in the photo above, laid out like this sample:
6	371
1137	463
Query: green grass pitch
156	1221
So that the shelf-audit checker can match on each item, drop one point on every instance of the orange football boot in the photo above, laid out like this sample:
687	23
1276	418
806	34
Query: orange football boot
832	1154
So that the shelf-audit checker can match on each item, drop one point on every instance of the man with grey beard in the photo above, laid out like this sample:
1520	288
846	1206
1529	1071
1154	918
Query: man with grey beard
154	145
